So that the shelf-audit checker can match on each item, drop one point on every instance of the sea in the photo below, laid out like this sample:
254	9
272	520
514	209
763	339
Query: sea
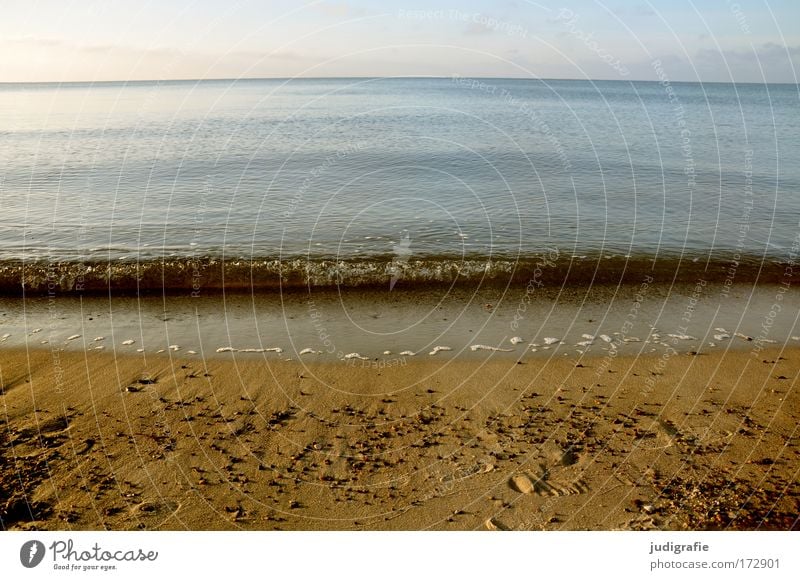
398	181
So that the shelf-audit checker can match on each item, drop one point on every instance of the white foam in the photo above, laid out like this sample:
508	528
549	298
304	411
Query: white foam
35	330
682	336
632	339
606	338
174	347
309	351
353	355
516	340
73	337
407	353
587	336
226	349
438	349
191	352
722	336
475	347
585	343
99	338
551	340
139	350
129	341
387	352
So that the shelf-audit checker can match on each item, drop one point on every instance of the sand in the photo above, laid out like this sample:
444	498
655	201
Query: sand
100	440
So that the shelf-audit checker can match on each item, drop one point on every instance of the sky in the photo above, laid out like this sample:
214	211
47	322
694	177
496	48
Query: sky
682	40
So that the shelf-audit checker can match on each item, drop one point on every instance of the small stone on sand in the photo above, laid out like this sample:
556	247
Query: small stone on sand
438	349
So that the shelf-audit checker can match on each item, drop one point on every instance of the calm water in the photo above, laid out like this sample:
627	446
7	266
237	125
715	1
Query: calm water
354	167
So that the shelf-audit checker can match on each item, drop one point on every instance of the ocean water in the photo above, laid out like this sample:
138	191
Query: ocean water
398	171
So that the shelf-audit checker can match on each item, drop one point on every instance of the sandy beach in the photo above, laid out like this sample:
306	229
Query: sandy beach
103	440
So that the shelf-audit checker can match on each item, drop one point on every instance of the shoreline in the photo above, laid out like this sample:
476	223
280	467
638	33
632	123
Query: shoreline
102	441
383	326
193	276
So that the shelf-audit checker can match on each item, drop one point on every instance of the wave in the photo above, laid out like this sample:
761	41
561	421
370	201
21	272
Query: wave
209	274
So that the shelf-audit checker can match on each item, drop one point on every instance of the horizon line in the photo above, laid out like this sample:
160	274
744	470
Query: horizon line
377	77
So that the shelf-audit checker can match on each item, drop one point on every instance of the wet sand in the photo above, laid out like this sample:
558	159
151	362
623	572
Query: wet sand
104	440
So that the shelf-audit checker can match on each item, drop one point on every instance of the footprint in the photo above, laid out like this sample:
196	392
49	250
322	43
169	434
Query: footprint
542	485
523	484
495	526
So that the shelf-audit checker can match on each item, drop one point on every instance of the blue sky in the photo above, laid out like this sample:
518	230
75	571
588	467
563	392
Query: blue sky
707	40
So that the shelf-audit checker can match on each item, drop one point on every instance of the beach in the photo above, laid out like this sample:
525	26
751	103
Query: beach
673	440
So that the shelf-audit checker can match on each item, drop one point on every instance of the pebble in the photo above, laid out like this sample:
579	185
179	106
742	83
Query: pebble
353	355
587	336
129	341
605	337
190	352
35	330
99	338
387	352
407	353
174	347
551	340
722	336
516	340
73	337
438	349
475	347
309	351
